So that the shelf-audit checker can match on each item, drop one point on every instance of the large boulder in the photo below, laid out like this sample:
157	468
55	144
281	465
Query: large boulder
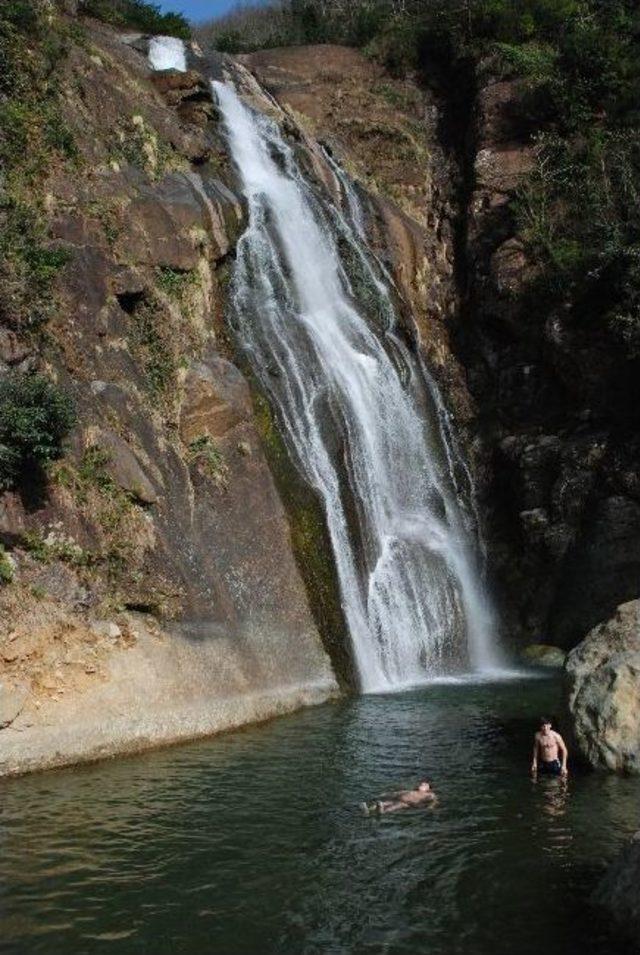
619	890
604	692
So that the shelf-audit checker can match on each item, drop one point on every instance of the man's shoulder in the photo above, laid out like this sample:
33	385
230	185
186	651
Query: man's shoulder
557	735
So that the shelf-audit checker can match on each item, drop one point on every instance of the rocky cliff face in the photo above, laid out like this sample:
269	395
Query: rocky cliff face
555	402
174	575
155	592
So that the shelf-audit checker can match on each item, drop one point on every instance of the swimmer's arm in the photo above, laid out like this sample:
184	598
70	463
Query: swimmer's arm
534	758
564	752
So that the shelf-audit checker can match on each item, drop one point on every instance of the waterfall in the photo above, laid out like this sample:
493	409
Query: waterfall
167	53
314	313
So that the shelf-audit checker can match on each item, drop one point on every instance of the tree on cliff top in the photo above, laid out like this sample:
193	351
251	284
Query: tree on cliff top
139	14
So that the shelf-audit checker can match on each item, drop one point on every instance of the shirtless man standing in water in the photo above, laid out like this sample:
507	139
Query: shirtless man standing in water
416	798
549	751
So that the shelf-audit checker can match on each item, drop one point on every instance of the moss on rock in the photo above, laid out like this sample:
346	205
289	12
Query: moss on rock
310	540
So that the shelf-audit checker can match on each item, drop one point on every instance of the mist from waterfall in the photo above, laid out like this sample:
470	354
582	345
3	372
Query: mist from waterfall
314	313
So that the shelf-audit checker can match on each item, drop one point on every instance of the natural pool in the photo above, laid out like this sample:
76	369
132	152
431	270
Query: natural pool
252	842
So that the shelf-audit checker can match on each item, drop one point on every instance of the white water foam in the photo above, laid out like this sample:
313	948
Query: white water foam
315	317
167	53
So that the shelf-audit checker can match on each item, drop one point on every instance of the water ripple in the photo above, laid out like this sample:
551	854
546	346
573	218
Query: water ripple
253	842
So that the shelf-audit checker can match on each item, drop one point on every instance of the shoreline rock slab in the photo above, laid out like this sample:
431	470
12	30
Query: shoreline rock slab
167	688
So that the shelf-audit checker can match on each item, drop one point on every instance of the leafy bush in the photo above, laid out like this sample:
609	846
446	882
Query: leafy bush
204	451
174	282
139	14
6	567
35	418
580	210
28	266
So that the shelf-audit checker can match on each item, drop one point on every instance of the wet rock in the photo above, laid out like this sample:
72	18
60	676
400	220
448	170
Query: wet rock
172	80
604	692
544	655
12	700
619	890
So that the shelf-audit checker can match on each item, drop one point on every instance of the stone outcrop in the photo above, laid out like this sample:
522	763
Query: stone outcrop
604	692
619	890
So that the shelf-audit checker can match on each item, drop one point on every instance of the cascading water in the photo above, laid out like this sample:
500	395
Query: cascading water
167	53
315	316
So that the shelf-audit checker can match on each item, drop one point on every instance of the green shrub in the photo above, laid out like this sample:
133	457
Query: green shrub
204	451
28	266
535	61
579	211
152	340
174	282
6	567
35	418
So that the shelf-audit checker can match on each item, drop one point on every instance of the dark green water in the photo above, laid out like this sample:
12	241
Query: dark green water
252	842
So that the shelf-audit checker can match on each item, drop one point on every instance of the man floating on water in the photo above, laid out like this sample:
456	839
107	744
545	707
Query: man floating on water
418	798
549	751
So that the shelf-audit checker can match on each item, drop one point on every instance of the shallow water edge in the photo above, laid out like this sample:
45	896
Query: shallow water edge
81	734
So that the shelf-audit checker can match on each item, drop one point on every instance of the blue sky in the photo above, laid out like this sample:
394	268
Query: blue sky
197	9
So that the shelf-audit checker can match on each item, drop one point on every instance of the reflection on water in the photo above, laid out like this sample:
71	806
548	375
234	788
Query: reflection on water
252	843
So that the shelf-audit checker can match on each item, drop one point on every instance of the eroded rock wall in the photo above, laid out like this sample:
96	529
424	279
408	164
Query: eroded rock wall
555	403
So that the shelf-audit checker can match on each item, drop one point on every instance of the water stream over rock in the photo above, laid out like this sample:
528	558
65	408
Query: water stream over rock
315	316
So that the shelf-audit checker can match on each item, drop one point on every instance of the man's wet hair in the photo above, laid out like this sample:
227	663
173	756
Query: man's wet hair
545	719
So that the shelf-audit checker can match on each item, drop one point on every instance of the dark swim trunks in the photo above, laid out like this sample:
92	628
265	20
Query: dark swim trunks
551	768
